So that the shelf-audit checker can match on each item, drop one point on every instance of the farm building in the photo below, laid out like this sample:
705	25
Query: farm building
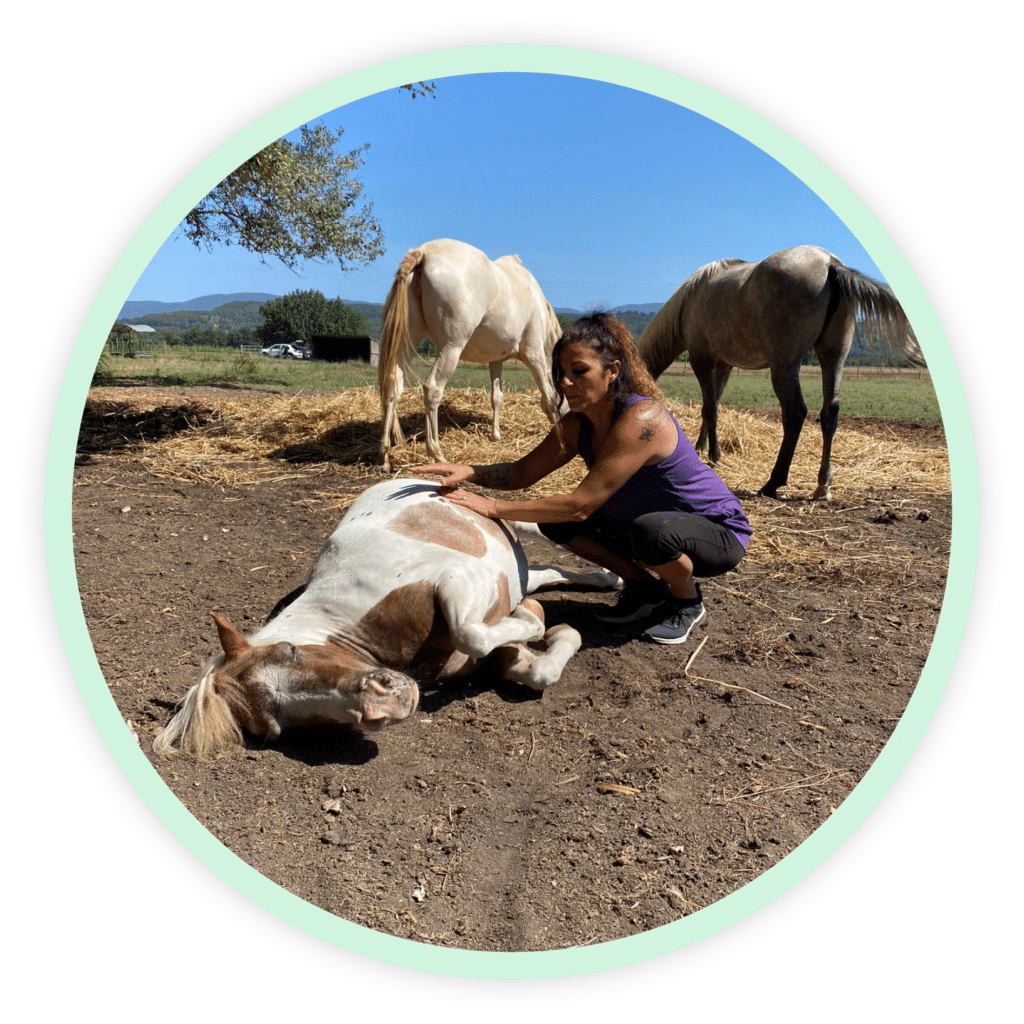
340	348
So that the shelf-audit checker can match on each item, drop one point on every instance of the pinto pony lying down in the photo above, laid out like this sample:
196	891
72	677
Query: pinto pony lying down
407	583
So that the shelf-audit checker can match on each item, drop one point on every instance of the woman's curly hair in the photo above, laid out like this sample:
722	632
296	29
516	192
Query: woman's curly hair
609	339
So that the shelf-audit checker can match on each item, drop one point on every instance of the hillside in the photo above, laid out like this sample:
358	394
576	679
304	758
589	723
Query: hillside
229	312
227	317
136	308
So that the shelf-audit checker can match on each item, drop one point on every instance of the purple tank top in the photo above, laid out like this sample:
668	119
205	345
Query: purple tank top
679	483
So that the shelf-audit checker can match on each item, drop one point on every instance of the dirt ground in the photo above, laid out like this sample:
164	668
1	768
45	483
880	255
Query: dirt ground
634	792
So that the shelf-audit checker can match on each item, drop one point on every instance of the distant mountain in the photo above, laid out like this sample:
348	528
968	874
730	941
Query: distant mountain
633	307
230	311
227	317
143	307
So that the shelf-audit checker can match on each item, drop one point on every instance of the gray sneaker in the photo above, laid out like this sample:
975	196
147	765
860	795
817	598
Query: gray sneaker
638	599
677	620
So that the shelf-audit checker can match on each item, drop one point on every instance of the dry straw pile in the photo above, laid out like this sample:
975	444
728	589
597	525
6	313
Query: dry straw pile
247	438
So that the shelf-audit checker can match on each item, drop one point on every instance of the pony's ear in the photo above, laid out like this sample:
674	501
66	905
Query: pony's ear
230	639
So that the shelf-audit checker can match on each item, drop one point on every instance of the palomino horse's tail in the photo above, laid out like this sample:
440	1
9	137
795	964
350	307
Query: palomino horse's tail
202	723
394	335
886	329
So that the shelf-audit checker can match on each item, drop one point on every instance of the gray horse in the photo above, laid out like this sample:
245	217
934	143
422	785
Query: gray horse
770	314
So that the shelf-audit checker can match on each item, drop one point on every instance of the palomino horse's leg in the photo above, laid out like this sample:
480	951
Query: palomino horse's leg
786	384
496	399
533	355
433	389
391	431
397	435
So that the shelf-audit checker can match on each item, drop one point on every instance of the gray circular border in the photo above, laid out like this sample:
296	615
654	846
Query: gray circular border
876	827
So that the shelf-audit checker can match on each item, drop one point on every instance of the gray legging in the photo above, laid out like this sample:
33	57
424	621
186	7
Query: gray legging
657	538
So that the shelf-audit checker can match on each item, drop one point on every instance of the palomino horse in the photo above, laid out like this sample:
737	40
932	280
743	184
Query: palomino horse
771	314
407	583
471	309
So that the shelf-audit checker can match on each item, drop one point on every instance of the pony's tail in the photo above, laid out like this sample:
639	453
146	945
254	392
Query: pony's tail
394	334
886	328
202	723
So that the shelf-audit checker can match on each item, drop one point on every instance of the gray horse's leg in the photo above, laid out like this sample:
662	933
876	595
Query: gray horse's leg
704	370
831	380
786	384
832	348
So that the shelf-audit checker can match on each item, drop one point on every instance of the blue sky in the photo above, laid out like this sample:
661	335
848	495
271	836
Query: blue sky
609	195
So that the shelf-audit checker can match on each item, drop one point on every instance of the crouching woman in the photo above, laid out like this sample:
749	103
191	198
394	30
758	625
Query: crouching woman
648	504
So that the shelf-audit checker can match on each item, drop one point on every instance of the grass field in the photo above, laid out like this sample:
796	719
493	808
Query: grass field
887	395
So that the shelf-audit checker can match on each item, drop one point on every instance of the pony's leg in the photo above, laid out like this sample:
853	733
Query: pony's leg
433	389
786	384
540	670
541	576
496	399
466	599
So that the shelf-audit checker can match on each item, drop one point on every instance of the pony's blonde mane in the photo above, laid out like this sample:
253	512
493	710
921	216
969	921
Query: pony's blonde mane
203	722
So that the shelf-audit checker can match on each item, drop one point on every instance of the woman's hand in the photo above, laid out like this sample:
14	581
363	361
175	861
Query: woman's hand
473	501
451	474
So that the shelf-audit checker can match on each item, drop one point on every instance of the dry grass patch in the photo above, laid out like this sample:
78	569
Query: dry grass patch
238	438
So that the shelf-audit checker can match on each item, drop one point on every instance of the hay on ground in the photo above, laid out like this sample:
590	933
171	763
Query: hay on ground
245	438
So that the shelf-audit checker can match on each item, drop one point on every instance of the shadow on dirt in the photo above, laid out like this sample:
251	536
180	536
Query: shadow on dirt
321	746
357	440
113	427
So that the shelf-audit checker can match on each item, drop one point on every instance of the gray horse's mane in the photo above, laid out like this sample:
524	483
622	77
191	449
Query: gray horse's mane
662	338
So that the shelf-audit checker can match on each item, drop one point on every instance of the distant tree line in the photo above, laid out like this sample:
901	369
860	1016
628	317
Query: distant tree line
302	314
294	317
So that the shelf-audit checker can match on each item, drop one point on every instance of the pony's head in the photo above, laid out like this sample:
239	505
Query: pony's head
262	688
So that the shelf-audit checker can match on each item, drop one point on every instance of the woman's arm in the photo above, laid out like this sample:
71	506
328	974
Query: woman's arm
551	454
644	434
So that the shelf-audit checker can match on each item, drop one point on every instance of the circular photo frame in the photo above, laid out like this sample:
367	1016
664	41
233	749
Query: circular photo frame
772	900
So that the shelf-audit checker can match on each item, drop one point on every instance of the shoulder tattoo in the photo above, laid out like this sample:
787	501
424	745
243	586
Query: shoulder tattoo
650	418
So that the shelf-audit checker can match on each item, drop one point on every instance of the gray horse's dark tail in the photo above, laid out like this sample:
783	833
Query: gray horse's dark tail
884	326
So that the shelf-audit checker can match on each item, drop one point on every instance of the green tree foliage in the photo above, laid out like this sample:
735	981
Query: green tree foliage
420	89
295	201
302	314
211	337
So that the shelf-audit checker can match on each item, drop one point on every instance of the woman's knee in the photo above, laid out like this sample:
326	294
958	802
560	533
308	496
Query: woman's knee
650	545
559	533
